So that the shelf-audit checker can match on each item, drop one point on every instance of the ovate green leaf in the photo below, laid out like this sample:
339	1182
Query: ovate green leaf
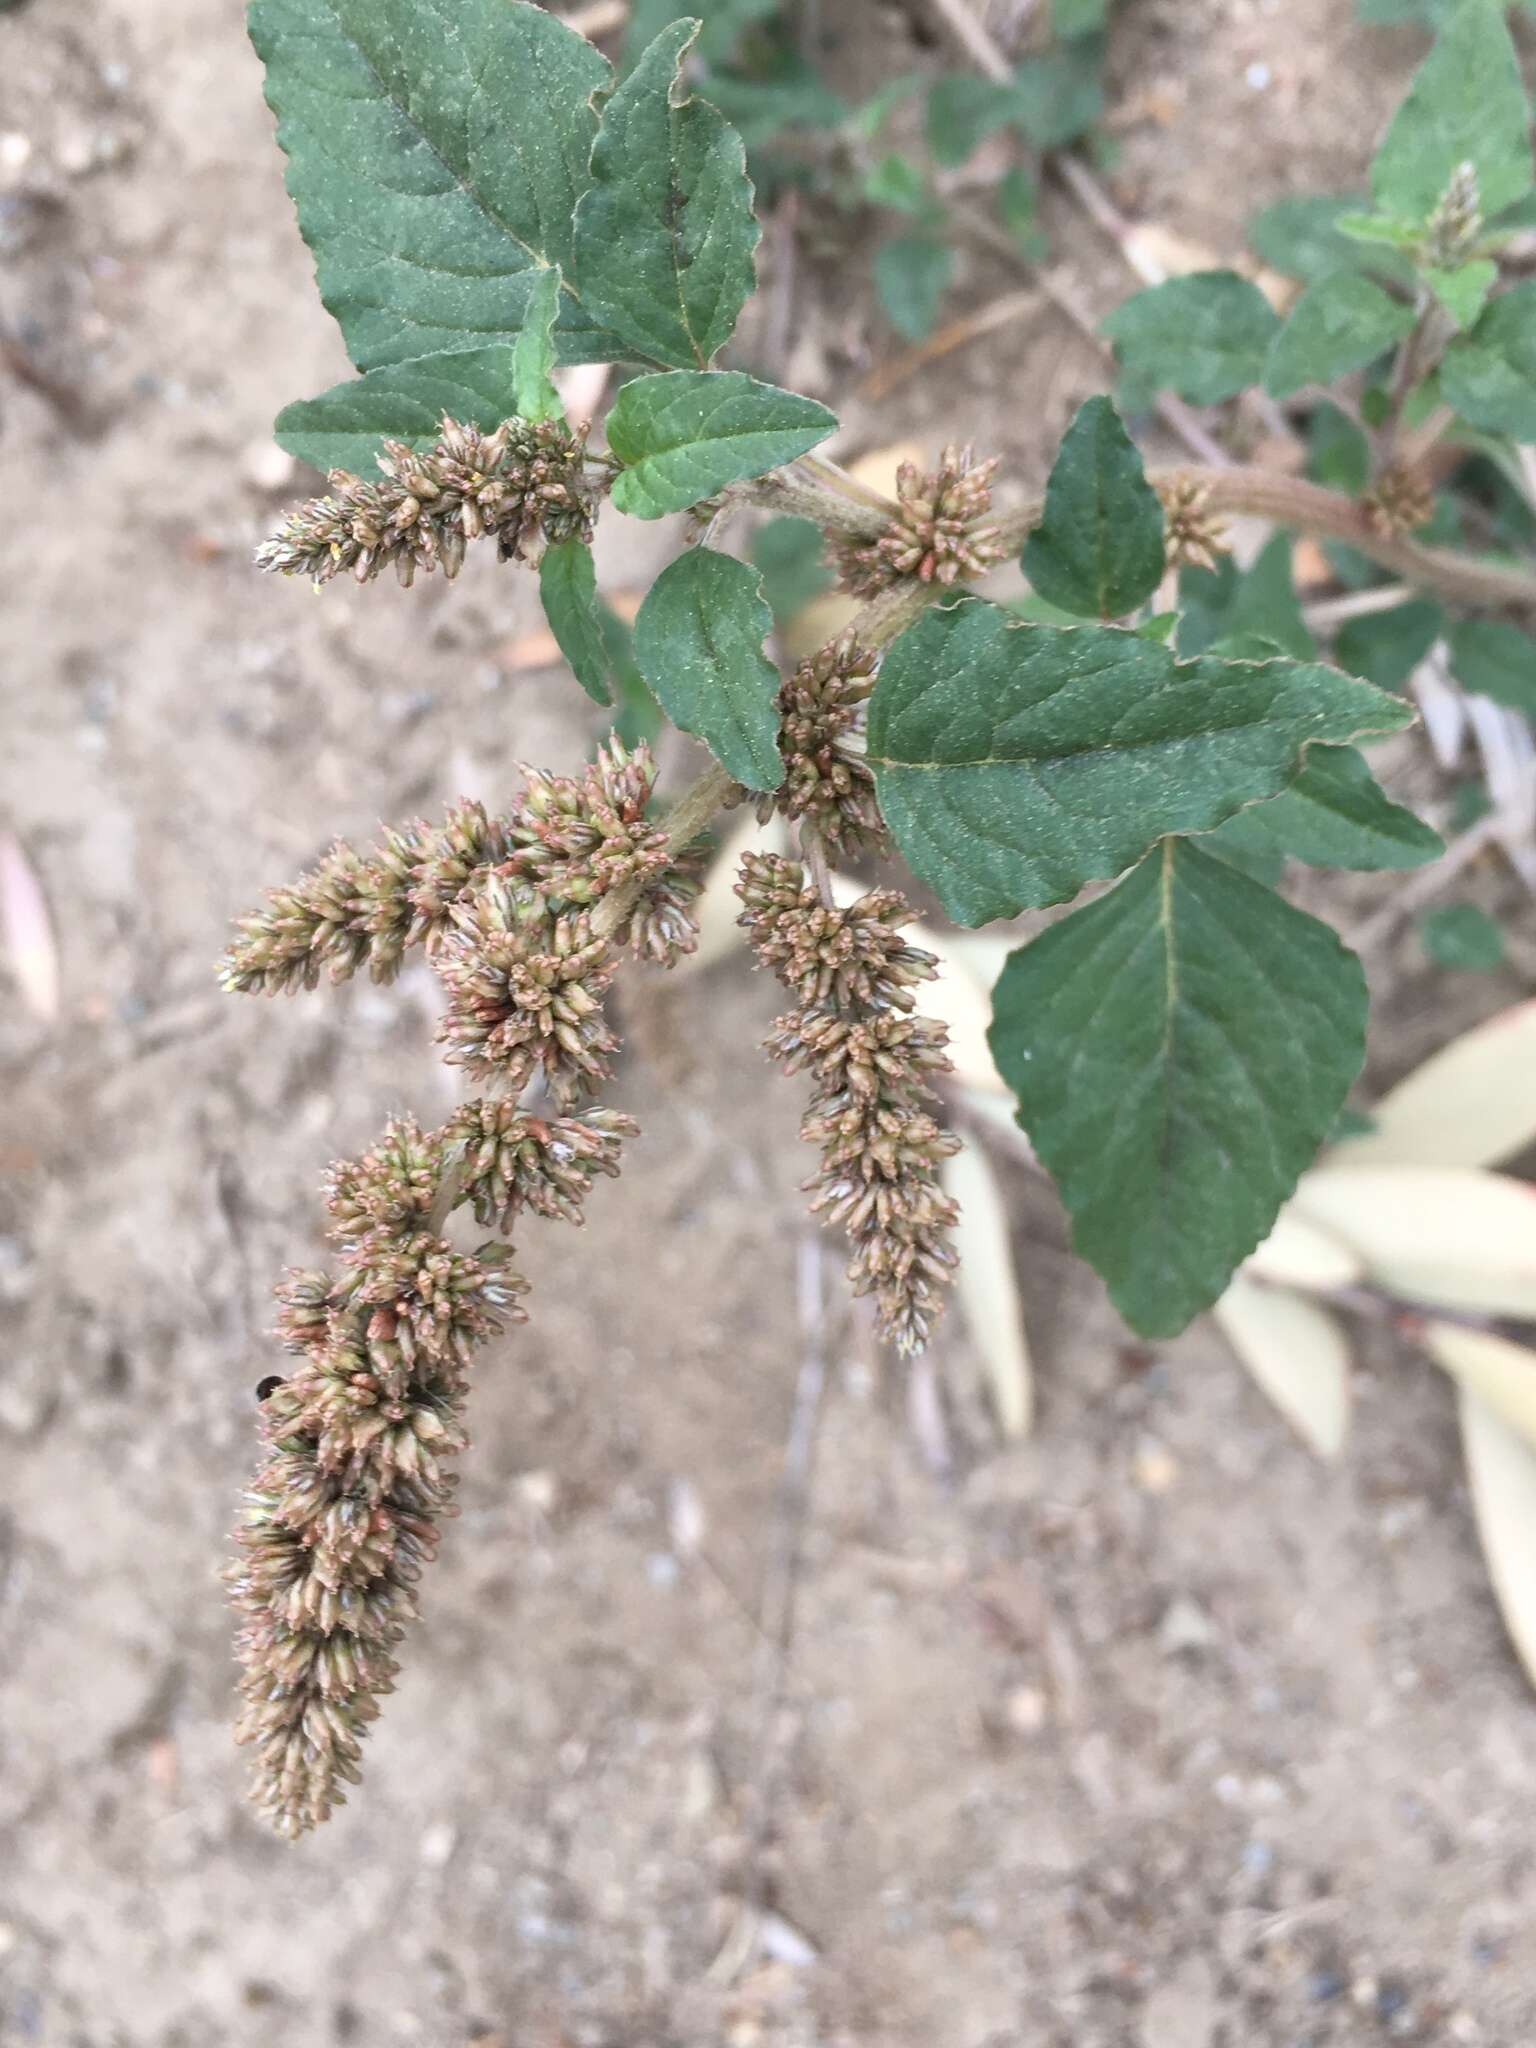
436	156
343	427
1495	659
1058	97
1015	763
1334	815
1298	235
1205	336
1339	324
685	434
1140	1035
568	588
665	236
789	552
699	642
1489	375
1464	292
1098	551
1386	647
961	111
1466	105
911	275
1228	603
533	353
1462	936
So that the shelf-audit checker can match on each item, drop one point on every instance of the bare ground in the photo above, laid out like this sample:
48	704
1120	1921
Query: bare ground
1151	1734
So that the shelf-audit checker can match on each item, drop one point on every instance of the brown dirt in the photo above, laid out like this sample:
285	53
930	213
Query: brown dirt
1151	1734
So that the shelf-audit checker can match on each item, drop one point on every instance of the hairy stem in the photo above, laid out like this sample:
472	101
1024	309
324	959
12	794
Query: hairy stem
1291	501
834	511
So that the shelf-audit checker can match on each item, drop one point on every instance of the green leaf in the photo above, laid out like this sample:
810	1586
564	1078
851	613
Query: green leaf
1098	550
1337	325
1386	647
962	110
1058	97
1205	336
1381	230
682	435
911	276
1229	603
436	156
1494	659
665	237
343	427
568	588
1298	235
1460	935
533	353
1071	18
1141	1037
1016	763
789	553
1018	208
1464	292
1335	815
1466	105
899	183
1338	453
790	96
1490	374
639	714
699	642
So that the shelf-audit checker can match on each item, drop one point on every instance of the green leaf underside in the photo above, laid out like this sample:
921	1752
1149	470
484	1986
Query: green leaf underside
1466	105
436	155
343	427
1490	374
699	642
1333	815
1205	336
1495	659
1098	550
1016	763
568	589
1180	1049
1339	324
685	434
533	353
665	236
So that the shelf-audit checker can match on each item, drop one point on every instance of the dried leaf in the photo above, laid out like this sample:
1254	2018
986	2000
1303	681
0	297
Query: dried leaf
1472	1103
1502	1375
1501	1468
27	930
1454	1237
1297	1254
987	1287
1296	1351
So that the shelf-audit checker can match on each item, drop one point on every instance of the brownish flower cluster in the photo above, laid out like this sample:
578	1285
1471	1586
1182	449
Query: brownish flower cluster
1400	501
345	1510
944	532
872	1060
821	718
358	909
524	479
1193	535
578	840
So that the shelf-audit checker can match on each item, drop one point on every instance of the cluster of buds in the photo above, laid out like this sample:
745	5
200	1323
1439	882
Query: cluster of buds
525	987
1450	236
827	780
1193	535
943	531
872	1060
525	479
357	909
512	1160
346	1507
578	839
1399	502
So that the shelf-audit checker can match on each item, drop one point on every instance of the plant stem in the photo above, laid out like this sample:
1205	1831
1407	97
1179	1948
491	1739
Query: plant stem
834	511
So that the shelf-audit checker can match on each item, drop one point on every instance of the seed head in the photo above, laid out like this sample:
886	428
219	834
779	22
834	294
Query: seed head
943	533
1193	535
827	779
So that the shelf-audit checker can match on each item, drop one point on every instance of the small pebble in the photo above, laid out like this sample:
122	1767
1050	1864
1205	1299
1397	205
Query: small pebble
1258	77
266	466
438	1844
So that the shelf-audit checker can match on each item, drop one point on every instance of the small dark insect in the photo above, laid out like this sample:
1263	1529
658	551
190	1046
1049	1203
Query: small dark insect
269	1385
